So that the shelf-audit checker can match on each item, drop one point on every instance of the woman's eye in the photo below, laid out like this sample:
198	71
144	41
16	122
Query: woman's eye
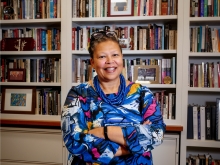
101	56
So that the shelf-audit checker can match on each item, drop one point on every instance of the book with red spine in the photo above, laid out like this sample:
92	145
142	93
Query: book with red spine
73	38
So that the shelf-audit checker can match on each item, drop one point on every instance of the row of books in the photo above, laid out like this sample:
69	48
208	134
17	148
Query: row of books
82	70
45	39
205	74
32	9
202	159
149	37
203	122
97	8
204	8
48	101
204	39
167	102
36	70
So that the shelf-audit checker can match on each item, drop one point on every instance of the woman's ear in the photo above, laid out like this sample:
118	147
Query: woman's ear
92	62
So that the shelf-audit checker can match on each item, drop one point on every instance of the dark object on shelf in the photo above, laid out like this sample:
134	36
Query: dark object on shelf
18	44
16	75
8	11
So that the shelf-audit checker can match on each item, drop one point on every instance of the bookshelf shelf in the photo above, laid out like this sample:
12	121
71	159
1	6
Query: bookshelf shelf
203	143
204	21
123	20
30	52
204	54
50	120
30	117
31	21
30	84
131	52
197	89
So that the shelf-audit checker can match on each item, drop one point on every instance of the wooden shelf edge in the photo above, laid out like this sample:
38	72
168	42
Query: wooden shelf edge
176	128
30	122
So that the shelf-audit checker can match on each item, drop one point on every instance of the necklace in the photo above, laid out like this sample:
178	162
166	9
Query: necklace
113	100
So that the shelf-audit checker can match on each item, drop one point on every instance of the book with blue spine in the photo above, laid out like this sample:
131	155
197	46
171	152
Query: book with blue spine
201	8
43	40
51	9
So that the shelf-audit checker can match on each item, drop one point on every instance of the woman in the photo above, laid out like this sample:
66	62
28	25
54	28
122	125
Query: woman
109	120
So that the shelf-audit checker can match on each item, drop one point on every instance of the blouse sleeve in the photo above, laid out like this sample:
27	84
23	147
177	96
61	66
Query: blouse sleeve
74	126
141	138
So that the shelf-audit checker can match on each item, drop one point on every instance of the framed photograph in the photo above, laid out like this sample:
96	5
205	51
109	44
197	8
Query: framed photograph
118	8
146	74
16	75
18	100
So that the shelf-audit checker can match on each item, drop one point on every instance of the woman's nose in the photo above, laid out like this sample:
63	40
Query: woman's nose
109	60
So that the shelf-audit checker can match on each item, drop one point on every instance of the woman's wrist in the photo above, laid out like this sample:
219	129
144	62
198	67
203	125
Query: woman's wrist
106	133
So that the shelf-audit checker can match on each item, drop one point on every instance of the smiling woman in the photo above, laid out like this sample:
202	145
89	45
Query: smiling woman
110	120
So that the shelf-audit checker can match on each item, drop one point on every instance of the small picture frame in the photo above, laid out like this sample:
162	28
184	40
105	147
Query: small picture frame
18	100
16	75
146	74
120	8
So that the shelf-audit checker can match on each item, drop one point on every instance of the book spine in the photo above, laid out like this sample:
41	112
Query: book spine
163	70
202	122
202	8
164	7
208	123
217	118
190	122
199	125
205	8
195	122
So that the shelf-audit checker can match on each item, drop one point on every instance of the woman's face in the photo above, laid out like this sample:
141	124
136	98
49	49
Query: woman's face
107	61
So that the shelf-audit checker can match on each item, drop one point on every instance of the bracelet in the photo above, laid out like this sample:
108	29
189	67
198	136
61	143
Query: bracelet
106	132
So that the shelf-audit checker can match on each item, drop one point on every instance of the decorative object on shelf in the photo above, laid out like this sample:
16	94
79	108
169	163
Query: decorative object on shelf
16	75
167	80
125	43
18	100
146	74
8	12
18	44
118	8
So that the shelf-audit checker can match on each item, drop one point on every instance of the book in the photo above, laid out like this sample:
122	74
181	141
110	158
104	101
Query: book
202	122
195	122
190	122
217	119
208	122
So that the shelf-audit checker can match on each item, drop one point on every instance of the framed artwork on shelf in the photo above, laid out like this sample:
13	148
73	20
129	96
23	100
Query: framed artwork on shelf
146	74
16	75
18	100
120	8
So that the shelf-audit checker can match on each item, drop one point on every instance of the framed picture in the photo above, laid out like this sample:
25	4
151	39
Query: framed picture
117	8
146	74
16	75
18	100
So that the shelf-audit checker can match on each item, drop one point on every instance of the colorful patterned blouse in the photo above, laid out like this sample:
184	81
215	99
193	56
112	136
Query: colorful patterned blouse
85	110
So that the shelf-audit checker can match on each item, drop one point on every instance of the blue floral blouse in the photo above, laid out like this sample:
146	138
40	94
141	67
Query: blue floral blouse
84	110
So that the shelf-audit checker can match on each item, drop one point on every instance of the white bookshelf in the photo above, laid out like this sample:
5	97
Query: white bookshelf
196	95
66	22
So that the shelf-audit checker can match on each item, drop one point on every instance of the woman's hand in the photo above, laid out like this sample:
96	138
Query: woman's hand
148	122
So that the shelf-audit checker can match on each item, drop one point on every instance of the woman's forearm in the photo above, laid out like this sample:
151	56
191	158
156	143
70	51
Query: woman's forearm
114	134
